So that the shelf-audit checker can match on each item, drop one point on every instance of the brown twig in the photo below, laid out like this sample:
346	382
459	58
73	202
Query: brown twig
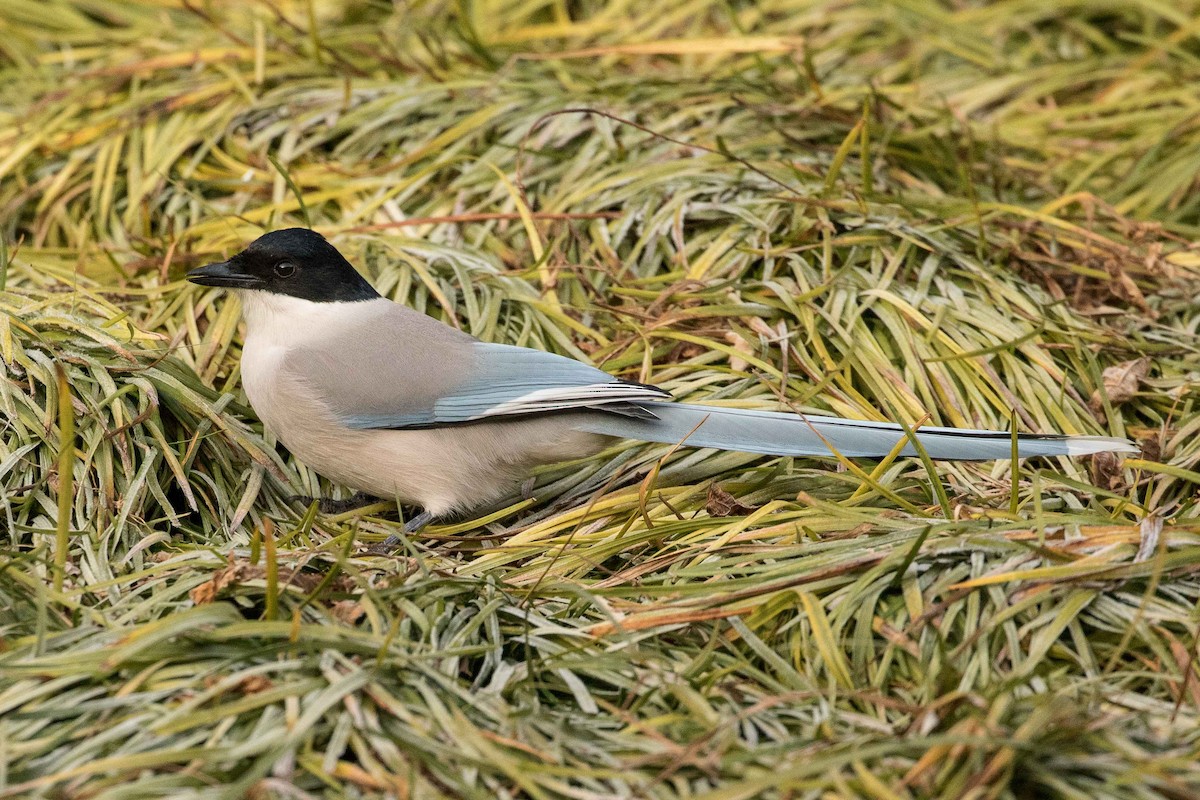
484	216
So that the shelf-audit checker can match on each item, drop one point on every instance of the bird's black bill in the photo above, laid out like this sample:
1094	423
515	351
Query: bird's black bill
226	274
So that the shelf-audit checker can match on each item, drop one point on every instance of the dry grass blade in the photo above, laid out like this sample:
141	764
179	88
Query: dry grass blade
966	214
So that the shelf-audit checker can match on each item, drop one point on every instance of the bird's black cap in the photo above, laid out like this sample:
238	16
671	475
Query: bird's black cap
296	262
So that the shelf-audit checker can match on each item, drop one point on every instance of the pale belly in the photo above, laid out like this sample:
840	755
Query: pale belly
442	470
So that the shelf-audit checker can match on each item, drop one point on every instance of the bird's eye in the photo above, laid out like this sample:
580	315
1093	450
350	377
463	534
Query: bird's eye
285	269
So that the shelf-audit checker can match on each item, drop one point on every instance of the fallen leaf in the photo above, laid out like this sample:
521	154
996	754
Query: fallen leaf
861	529
222	578
721	503
1126	288
1121	383
1106	471
253	684
348	611
244	572
740	345
204	593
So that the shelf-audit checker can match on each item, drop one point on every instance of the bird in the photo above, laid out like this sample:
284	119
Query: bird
388	401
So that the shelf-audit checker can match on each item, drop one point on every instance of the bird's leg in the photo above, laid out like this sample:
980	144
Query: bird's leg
412	526
328	505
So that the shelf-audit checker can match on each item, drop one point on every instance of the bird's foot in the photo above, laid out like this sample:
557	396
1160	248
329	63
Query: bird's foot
328	505
527	487
388	546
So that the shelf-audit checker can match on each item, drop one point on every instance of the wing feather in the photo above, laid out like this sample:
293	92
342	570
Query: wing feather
515	381
423	374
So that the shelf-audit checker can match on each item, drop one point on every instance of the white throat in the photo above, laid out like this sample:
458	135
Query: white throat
283	320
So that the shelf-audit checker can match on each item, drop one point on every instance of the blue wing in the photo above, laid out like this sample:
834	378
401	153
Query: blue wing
505	381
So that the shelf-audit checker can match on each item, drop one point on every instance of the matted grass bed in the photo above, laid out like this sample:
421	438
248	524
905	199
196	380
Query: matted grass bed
964	214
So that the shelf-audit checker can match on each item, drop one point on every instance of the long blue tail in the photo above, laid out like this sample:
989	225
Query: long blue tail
782	434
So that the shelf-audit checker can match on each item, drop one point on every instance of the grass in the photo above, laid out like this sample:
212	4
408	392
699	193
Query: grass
955	212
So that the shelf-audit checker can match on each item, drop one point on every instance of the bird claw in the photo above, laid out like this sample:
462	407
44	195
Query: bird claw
329	505
385	548
388	546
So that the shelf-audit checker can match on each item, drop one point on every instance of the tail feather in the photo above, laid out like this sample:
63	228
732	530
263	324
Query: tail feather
781	434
